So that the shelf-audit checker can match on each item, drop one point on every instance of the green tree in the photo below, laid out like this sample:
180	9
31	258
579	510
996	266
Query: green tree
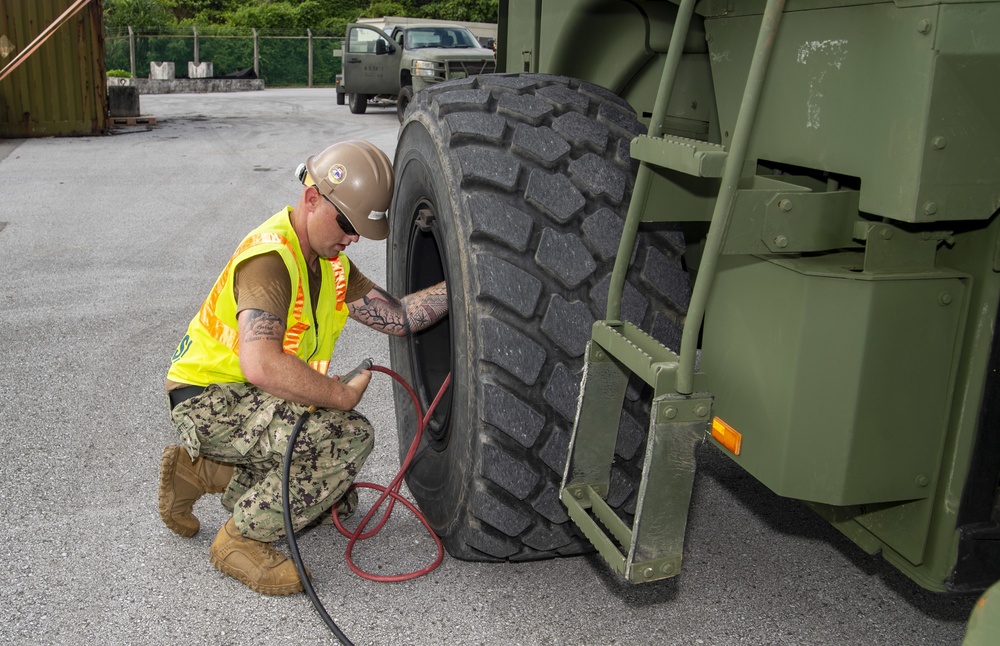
344	8
463	10
310	13
293	14
192	9
138	14
387	8
277	15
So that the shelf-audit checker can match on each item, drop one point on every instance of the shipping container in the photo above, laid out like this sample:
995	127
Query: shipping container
60	89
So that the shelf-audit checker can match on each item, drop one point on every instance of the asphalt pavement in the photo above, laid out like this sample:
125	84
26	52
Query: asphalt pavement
107	247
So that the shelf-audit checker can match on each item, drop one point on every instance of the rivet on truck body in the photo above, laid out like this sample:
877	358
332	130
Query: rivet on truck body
939	143
785	205
780	242
924	26
701	410
670	412
647	572
923	481
886	234
945	298
930	208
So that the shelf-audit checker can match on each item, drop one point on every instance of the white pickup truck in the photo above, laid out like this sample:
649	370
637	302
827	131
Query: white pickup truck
385	67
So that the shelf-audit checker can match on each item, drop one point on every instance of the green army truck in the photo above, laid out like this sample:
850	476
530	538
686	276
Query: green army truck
769	225
389	66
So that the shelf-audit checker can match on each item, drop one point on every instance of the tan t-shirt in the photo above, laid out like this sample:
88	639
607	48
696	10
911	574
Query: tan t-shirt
262	283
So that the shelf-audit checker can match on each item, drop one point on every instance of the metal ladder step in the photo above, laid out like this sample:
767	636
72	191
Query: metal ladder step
639	352
679	418
690	156
577	504
652	547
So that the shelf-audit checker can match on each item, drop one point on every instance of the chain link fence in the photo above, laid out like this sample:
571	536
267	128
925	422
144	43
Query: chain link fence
282	58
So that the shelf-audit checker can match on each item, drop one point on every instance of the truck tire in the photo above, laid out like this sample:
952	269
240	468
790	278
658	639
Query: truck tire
341	98
358	103
405	96
514	189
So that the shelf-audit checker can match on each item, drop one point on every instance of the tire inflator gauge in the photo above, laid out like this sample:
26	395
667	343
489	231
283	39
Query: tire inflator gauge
364	365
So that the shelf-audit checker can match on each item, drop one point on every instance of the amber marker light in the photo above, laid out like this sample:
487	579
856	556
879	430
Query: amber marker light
727	436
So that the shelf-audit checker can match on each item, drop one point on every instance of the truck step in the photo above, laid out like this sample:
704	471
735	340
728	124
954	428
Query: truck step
638	351
651	548
690	156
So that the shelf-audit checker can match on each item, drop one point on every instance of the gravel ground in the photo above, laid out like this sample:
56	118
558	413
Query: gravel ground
107	247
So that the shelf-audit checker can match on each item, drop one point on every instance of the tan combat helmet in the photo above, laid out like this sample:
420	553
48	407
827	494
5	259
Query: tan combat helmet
357	177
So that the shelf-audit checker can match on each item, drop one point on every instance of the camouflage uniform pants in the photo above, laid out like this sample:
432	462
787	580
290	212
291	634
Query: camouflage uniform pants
242	425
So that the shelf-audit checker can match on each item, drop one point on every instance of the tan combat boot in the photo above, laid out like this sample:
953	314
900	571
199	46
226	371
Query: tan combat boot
183	482
258	565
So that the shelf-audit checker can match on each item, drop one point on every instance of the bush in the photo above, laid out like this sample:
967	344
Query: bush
119	74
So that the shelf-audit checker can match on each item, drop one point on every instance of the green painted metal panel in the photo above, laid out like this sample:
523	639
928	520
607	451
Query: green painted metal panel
61	88
960	160
902	98
840	397
849	333
617	45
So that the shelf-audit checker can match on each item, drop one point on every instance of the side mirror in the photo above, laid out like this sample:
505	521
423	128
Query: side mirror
382	47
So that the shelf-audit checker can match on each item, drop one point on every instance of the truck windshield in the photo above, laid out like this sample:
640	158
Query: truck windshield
448	37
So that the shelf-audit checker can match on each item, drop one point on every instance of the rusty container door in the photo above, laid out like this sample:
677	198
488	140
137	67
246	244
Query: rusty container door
60	89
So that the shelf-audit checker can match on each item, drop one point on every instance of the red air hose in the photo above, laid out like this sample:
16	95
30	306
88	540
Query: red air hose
392	491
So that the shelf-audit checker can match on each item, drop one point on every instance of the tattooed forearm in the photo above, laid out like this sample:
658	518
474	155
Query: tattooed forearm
385	313
257	325
381	311
425	308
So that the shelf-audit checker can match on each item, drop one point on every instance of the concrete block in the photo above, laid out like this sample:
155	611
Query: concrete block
199	71
123	101
188	86
161	71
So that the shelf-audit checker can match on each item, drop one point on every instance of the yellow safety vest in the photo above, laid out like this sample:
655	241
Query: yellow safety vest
209	352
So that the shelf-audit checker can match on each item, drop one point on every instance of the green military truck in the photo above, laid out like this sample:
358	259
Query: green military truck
767	225
389	66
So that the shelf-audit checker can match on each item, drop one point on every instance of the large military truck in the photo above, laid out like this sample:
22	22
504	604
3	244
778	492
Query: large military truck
771	226
389	66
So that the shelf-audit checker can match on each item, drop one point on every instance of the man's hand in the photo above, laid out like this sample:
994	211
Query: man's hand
358	383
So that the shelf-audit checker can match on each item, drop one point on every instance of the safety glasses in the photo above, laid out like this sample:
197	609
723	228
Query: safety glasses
342	220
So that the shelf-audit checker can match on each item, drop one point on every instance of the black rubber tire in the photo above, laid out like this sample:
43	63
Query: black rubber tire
358	103
514	188
341	98
405	96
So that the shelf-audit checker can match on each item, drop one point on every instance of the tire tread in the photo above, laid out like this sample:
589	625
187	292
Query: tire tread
542	173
